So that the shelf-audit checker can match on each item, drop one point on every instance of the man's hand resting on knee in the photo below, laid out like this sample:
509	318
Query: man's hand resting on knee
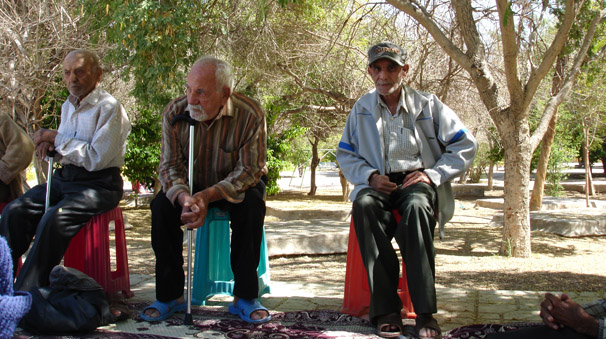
382	184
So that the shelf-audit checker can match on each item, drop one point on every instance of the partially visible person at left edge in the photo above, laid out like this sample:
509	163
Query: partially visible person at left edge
90	144
13	305
16	153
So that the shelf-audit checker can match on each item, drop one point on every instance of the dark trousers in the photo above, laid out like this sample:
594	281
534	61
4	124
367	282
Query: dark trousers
375	228
246	222
76	196
538	332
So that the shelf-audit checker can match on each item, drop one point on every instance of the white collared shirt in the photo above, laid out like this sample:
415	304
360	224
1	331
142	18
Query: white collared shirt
93	135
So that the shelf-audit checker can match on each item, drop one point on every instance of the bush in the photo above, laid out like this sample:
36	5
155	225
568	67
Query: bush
143	149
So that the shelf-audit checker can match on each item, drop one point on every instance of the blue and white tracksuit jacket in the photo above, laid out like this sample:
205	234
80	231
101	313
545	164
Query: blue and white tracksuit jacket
446	147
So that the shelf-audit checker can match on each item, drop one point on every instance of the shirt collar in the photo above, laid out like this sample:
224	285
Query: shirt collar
90	98
401	102
226	110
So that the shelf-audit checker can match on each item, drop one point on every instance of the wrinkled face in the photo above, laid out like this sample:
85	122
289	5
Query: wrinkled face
80	74
387	76
203	98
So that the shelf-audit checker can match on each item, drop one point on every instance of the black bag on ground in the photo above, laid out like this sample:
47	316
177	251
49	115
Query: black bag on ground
74	303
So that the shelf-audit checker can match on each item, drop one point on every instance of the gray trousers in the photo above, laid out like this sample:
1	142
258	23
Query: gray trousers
375	228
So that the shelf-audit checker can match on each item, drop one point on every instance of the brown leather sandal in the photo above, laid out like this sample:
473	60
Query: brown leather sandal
387	323
427	321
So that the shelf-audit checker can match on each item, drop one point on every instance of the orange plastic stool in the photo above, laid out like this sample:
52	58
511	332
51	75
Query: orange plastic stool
89	252
356	298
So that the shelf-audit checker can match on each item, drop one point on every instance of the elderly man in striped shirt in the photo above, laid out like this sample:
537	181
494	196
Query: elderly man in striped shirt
229	165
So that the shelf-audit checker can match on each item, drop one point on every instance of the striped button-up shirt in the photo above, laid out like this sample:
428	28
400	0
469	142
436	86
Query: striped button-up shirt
401	149
229	153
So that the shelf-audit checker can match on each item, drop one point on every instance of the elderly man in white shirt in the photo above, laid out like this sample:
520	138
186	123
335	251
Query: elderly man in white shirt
90	145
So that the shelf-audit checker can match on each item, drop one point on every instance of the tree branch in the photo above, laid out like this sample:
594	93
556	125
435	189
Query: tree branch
551	54
424	18
337	96
510	51
569	80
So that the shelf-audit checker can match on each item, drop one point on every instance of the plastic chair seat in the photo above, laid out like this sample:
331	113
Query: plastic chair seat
212	267
356	298
89	252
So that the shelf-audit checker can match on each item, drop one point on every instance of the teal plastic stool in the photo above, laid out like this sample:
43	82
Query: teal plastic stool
212	267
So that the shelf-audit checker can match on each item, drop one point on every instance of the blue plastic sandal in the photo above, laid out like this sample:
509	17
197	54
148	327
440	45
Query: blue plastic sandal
166	310
245	307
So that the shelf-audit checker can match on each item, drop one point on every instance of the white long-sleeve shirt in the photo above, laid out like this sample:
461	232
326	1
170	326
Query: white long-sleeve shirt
93	135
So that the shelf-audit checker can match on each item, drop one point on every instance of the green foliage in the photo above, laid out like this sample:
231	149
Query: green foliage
559	156
278	147
480	163
279	142
143	149
154	42
496	153
51	105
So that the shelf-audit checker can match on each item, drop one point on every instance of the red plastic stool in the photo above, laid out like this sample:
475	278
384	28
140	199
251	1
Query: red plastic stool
89	252
356	298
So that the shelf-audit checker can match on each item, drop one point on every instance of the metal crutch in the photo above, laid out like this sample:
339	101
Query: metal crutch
49	178
188	318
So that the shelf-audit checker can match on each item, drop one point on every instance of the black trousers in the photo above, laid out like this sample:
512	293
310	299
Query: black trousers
76	196
539	332
246	222
375	228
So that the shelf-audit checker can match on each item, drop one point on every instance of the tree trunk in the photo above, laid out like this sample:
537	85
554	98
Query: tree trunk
315	160
516	215
490	174
589	190
536	200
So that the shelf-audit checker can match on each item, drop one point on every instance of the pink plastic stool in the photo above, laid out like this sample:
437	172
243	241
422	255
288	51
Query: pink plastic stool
356	298
89	252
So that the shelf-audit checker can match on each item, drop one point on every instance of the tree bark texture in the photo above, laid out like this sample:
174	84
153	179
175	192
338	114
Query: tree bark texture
516	215
536	199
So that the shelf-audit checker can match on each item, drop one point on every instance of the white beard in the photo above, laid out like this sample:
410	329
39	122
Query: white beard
197	112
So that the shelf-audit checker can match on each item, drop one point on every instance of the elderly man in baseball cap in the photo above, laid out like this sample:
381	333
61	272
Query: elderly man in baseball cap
400	148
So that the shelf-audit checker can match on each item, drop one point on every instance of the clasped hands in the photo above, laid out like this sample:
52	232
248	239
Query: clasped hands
558	312
194	209
382	184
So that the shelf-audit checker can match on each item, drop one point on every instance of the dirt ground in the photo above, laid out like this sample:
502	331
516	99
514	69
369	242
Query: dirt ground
466	258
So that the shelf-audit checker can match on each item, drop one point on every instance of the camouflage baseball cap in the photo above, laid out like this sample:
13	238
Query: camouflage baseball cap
387	50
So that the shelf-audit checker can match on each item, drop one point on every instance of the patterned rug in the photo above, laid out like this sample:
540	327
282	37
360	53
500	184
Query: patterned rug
216	322
479	331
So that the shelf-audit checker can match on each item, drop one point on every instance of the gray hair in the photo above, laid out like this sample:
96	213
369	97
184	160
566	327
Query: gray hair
223	72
